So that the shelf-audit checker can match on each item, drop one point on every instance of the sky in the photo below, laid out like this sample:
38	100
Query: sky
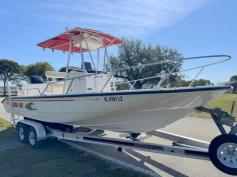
193	27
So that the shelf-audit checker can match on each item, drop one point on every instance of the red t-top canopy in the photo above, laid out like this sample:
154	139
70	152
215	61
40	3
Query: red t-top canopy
82	40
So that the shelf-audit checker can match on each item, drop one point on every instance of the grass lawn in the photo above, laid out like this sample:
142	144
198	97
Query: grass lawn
224	102
7	132
4	124
53	159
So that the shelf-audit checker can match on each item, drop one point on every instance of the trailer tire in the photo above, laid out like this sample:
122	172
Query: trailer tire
223	153
22	132
33	138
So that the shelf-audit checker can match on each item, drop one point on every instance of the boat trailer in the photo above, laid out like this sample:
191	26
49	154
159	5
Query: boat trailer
221	151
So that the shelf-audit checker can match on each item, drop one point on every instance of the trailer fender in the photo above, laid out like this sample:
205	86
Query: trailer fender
39	128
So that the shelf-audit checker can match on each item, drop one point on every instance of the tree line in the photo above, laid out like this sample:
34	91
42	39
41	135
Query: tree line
131	53
10	70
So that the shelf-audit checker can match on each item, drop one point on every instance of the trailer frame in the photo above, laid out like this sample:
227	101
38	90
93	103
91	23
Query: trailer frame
182	146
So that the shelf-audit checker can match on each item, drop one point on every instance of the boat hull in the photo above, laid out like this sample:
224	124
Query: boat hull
133	111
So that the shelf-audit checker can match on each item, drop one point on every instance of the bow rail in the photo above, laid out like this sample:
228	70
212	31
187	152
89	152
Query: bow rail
163	76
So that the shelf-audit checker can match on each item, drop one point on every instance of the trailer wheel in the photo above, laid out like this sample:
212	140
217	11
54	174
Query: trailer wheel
32	138
223	153
22	132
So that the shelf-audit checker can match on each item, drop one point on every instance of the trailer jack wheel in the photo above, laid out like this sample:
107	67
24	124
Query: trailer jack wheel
22	132
32	138
223	153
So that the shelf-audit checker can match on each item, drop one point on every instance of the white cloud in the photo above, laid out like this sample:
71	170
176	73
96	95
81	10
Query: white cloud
120	17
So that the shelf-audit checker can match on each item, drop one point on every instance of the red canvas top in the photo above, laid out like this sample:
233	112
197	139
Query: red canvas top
90	40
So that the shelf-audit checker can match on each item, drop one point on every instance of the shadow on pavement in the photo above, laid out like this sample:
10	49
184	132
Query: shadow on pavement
147	159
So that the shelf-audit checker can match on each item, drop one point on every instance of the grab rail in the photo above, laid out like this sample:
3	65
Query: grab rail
162	76
72	78
162	80
23	91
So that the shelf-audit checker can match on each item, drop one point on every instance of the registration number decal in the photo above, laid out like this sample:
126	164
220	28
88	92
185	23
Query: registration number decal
113	99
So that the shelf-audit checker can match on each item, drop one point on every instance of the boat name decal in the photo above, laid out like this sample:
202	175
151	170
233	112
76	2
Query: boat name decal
17	104
113	99
30	107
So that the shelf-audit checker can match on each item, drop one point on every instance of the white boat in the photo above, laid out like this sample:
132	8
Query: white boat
89	98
